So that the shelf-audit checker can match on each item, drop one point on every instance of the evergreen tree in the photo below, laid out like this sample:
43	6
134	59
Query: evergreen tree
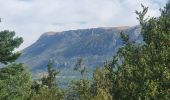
141	70
15	82
8	43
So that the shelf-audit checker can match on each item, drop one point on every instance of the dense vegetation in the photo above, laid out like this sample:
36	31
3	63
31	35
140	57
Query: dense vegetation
138	71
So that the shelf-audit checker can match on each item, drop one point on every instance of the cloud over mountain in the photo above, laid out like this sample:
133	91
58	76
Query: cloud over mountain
30	18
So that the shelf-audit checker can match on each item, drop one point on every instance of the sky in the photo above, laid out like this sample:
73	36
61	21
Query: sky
31	18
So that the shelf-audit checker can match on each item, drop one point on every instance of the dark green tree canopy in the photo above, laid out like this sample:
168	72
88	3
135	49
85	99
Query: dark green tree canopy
8	43
15	83
141	71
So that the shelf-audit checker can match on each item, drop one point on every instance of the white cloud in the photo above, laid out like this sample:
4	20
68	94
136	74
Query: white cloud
31	18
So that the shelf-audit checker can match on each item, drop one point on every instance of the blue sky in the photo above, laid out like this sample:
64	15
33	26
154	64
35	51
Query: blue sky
31	18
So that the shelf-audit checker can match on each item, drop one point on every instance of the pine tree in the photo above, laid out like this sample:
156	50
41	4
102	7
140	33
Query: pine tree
8	43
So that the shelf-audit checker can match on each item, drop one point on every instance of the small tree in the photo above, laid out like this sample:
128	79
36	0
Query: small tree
50	79
48	89
79	89
81	67
99	88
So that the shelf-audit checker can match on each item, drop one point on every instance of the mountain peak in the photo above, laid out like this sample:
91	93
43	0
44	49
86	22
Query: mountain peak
120	28
47	34
93	44
50	33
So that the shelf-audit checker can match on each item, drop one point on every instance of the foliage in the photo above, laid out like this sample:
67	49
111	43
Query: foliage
14	82
79	90
99	87
141	71
50	79
46	88
48	94
8	43
80	66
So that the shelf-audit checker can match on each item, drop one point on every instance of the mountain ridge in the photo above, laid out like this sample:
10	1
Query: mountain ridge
49	33
95	45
